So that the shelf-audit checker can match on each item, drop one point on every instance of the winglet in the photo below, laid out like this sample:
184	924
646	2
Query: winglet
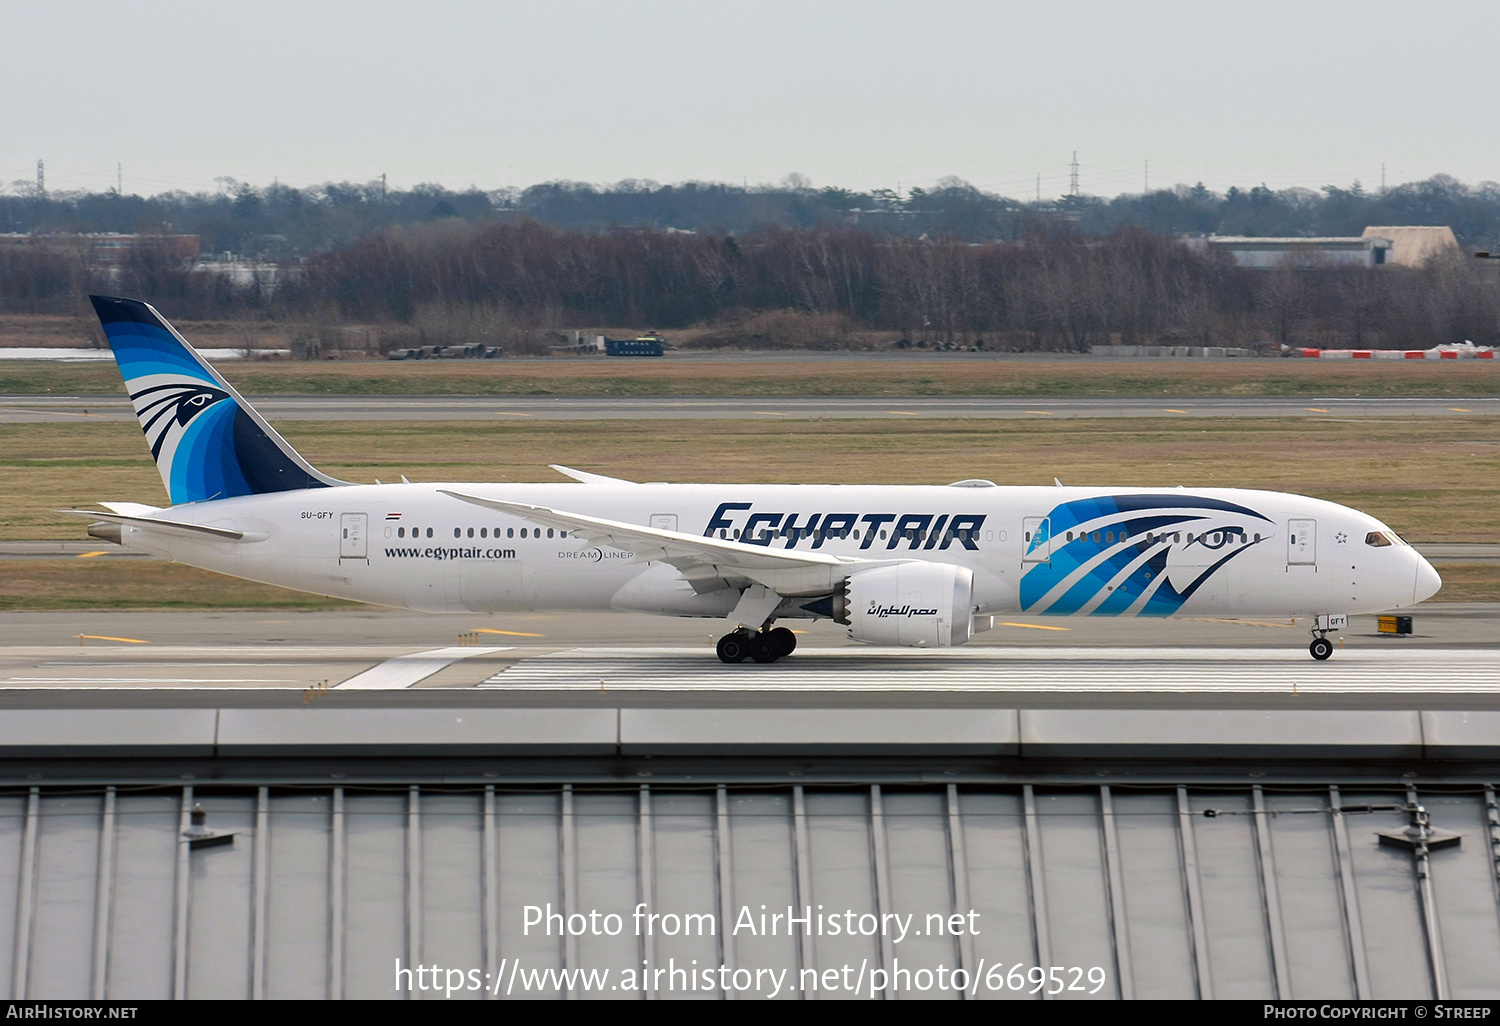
585	477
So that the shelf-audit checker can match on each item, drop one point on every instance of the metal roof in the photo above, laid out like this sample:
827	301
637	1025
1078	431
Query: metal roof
1414	245
1120	839
1322	241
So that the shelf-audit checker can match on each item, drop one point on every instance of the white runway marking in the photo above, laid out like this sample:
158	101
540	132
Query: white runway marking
1063	670
406	670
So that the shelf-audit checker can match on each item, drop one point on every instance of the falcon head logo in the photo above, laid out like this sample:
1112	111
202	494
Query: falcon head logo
163	407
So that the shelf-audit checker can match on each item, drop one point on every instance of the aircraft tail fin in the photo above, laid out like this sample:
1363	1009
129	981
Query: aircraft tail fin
208	442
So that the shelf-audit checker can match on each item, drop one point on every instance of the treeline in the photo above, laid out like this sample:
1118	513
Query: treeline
1058	291
280	223
453	281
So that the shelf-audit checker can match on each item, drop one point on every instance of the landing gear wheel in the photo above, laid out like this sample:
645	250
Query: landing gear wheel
785	641
1321	648
733	647
764	649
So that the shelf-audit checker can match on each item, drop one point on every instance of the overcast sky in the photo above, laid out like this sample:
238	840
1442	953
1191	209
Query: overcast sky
874	93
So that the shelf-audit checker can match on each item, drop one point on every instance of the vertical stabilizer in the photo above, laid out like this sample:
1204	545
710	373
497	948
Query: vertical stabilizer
207	441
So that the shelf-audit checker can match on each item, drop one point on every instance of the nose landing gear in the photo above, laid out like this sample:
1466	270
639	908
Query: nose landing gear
1321	648
762	646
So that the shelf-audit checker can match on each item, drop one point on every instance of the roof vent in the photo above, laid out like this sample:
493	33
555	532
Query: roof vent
973	482
198	835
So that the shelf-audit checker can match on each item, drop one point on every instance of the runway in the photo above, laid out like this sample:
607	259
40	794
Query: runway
1008	671
1453	661
70	409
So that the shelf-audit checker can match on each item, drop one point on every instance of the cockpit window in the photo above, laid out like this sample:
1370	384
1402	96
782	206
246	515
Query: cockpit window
1377	539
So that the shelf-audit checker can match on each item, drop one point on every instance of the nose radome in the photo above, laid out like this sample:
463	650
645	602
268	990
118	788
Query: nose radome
1428	581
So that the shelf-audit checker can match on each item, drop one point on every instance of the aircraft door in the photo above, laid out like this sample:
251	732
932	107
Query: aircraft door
352	531
1036	539
1301	542
664	521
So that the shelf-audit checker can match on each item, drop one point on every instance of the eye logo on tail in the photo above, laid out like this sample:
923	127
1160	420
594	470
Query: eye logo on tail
161	407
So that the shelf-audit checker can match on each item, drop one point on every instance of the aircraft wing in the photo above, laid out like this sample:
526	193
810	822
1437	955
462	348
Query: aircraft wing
786	571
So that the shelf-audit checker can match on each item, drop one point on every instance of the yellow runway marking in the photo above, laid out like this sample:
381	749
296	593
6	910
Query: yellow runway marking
91	555
1177	411
1039	413
1317	409
1034	626
106	637
506	413
769	413
902	413
1460	409
1233	620
512	634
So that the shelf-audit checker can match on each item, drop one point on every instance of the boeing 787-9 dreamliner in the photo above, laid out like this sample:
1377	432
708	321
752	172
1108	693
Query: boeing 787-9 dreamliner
912	565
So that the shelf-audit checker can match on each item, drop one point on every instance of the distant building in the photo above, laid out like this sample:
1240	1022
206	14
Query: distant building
106	248
1414	245
1317	253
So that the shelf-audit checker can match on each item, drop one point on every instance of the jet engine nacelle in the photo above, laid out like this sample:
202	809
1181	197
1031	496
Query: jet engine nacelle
917	604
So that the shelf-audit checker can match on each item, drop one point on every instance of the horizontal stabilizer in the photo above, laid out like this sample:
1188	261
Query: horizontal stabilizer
155	522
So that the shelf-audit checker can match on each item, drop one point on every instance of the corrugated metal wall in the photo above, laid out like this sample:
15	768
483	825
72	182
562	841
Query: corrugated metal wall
1283	892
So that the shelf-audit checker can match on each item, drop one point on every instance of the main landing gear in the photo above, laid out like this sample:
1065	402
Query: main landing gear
762	646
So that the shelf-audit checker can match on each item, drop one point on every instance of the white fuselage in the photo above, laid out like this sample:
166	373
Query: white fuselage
1036	551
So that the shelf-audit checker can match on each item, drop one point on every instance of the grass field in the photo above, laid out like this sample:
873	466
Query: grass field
898	375
1432	479
139	584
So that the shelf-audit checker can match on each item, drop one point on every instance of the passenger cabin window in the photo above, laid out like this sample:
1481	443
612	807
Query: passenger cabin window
429	532
1377	539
